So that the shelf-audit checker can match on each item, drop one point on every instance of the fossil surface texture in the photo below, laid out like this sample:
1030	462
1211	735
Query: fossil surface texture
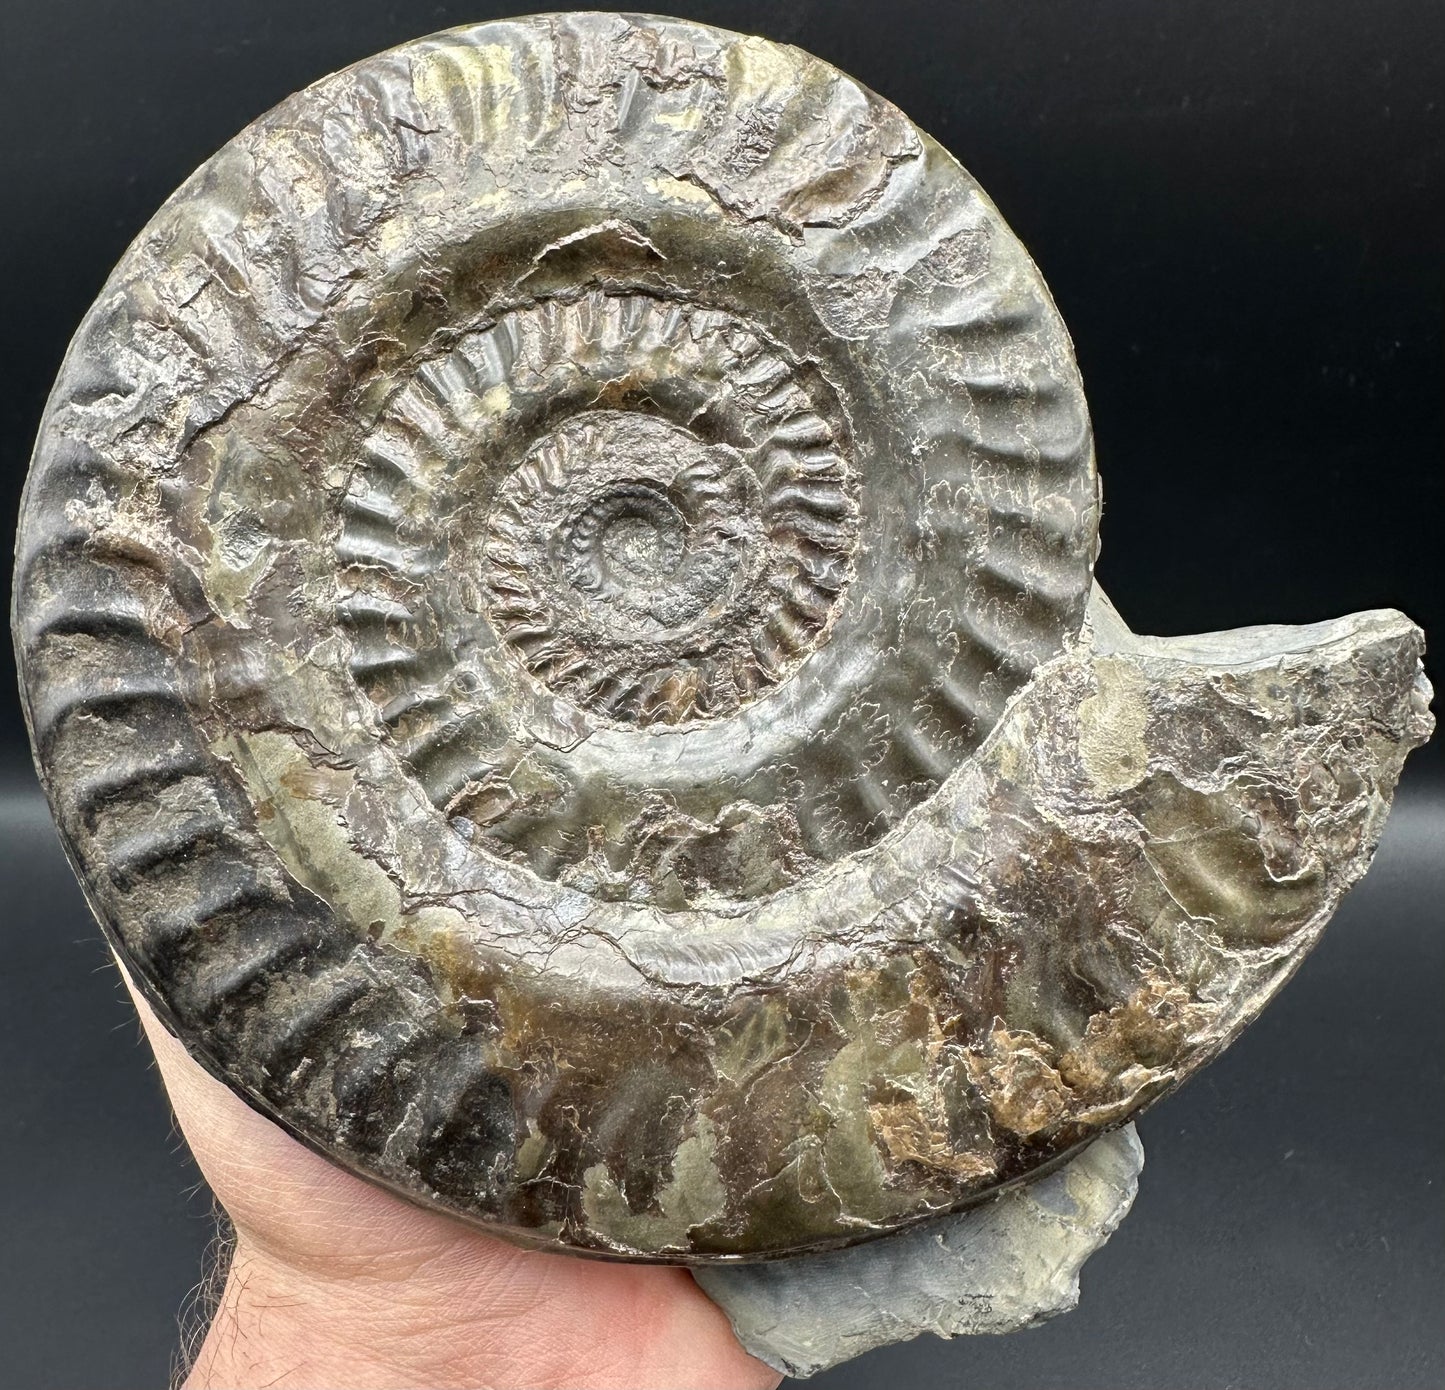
555	608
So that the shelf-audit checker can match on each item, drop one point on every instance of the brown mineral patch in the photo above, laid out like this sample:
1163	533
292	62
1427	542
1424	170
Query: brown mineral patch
1149	1030
911	1136
1015	1072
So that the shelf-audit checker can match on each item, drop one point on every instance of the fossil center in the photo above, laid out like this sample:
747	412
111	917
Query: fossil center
642	551
645	573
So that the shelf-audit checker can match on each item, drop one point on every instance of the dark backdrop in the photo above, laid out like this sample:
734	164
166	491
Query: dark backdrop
1238	206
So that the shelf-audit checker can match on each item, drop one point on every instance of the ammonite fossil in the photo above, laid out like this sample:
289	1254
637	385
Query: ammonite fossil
555	607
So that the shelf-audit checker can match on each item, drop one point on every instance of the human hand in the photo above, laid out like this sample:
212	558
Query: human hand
336	1283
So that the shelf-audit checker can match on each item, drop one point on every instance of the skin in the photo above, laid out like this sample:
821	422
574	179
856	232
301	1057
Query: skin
335	1283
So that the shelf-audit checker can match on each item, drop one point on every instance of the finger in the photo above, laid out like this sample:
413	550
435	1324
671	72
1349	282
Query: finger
602	1324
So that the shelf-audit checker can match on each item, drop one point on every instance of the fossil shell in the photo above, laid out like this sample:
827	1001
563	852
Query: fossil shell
522	573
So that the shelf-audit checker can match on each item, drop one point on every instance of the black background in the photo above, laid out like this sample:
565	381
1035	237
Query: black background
1238	206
